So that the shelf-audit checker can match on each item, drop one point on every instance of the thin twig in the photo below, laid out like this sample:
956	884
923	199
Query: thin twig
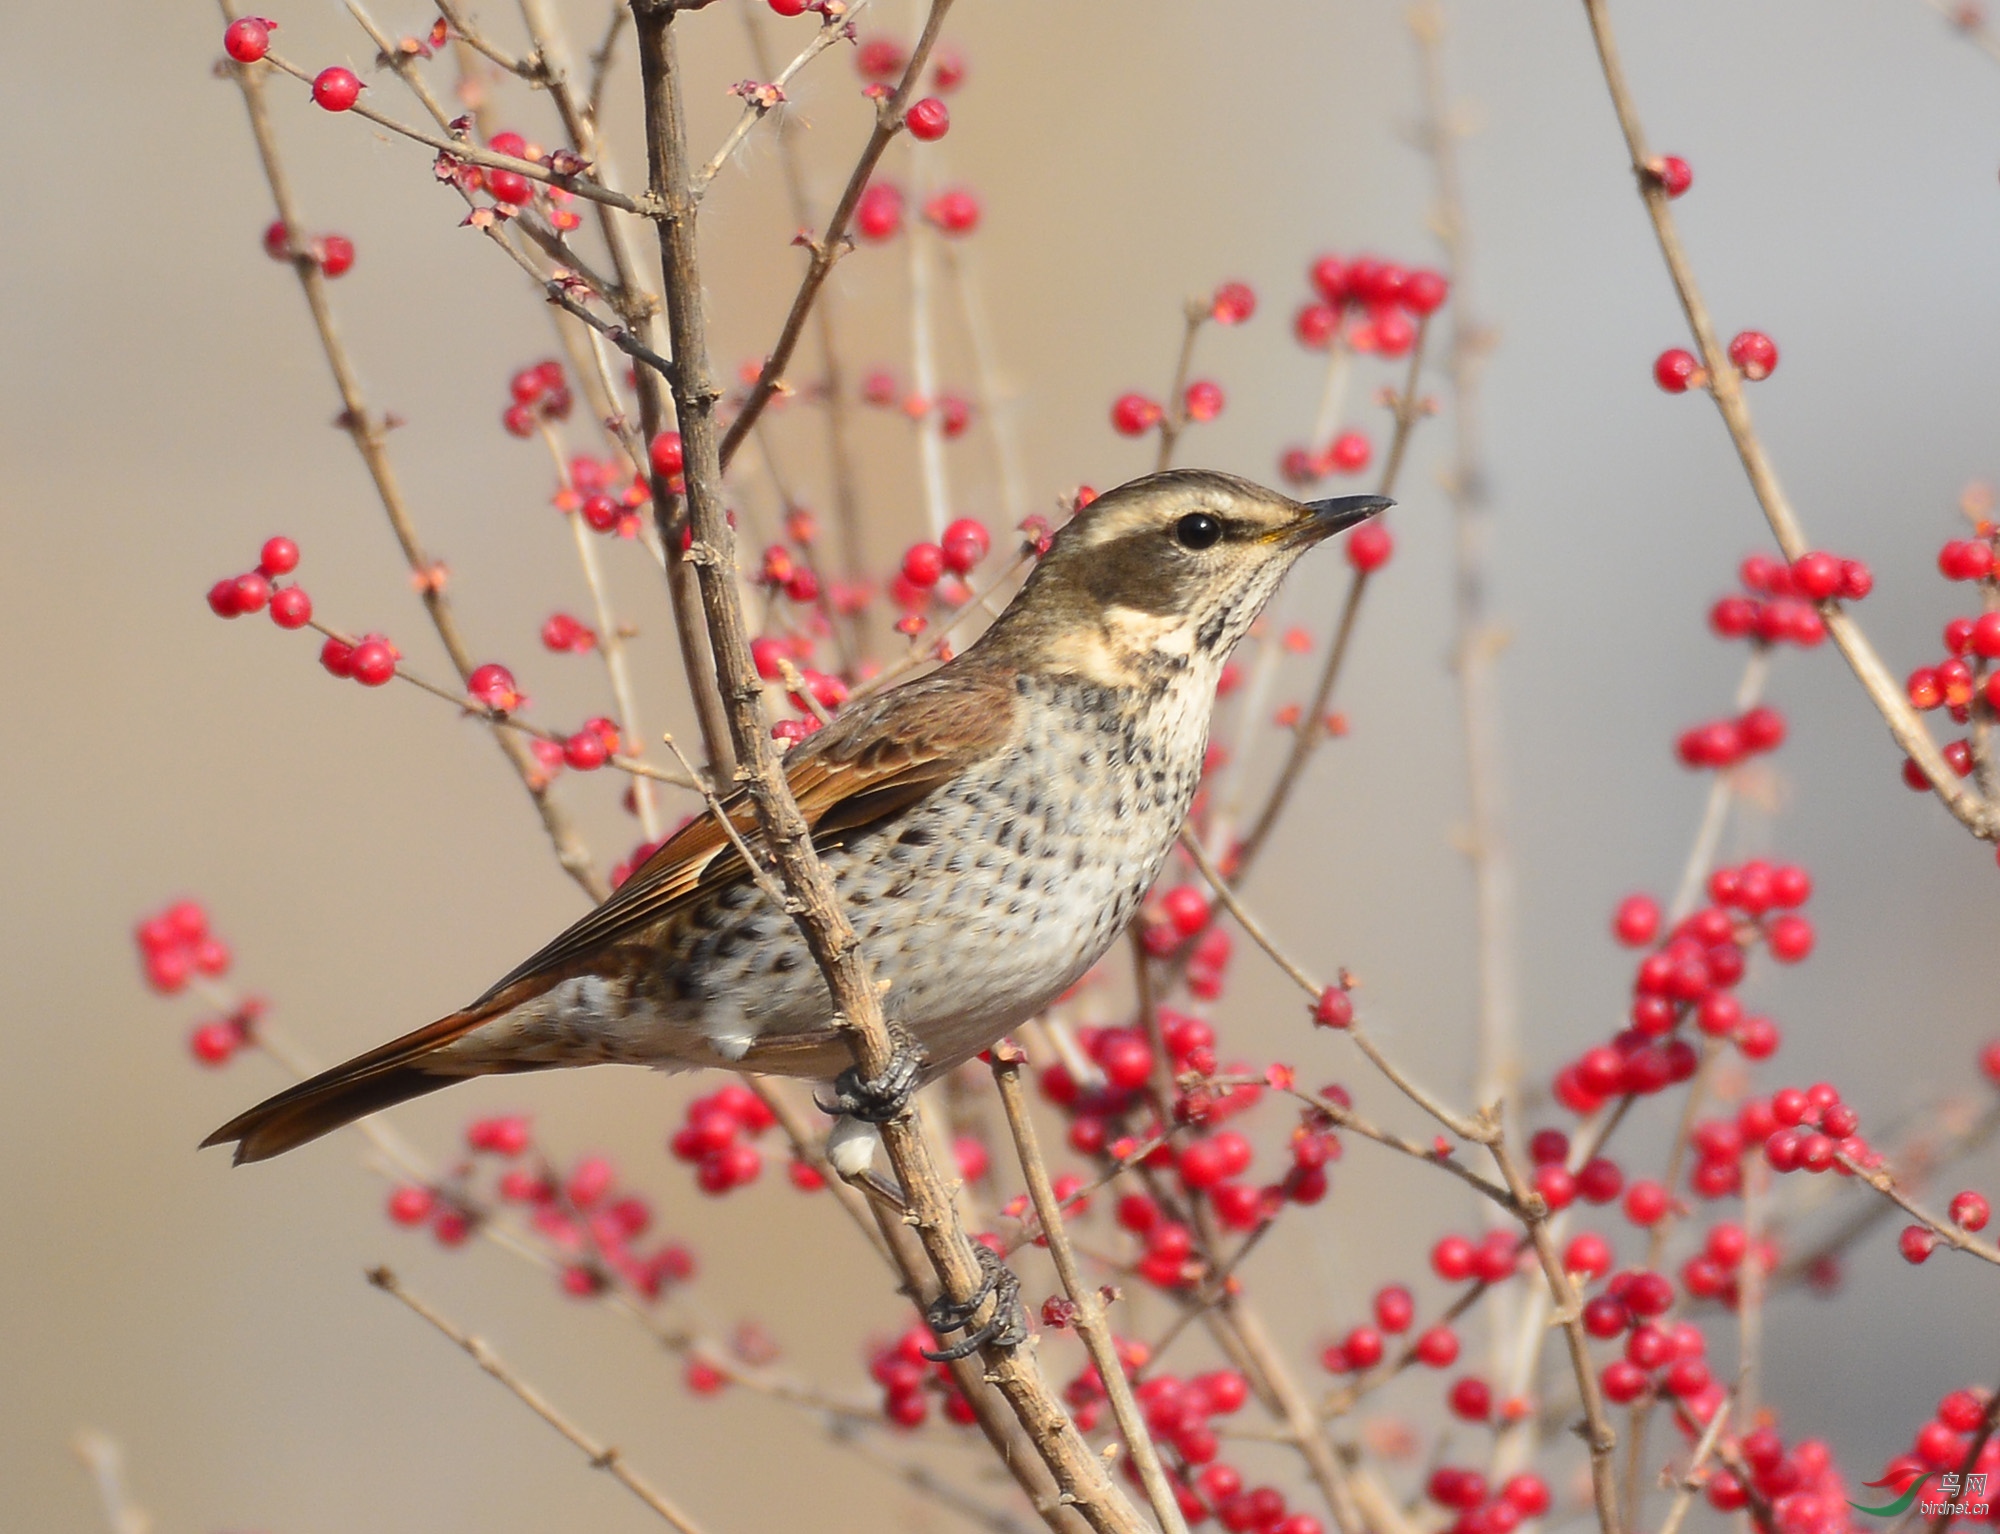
601	1456
474	154
757	105
1950	1234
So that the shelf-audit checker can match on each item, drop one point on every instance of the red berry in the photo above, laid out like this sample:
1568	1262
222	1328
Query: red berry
881	58
1438	1348
1234	302
1790	939
954	212
1334	1009
1203	400
1984	638
1471	1398
1451	1259
788	7
965	543
337	656
291	608
878	215
1369	546
1970	1211
929	120
948	74
336	89
335	254
1916	1243
1646	1202
585	751
1754	354
1672	174
1424	292
280	556
1761	729
923	565
1395	1308
509	186
1856	579
247	39
1350	452
1315	324
666	455
411	1205
252	592
222	599
1638	920
214	1043
372	663
1590	1254
493	686
1133	415
1816	575
1674	370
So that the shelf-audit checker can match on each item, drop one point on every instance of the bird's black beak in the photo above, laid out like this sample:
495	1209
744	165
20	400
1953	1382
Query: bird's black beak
1341	512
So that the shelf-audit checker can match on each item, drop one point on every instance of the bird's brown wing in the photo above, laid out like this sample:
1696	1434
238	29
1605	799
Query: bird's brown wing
860	770
878	759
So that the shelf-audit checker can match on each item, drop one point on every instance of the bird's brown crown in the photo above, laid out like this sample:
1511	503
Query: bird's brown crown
1162	574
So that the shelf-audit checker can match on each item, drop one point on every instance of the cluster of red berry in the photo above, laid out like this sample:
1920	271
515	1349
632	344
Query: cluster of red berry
235	595
539	392
581	1215
911	1382
715	1137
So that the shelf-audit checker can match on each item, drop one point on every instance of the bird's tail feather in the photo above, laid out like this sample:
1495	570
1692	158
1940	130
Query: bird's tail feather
392	1073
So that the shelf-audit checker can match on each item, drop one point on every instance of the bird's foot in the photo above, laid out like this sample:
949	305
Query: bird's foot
1007	1327
878	1100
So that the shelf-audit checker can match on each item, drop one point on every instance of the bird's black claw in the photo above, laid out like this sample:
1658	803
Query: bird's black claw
882	1099
1007	1327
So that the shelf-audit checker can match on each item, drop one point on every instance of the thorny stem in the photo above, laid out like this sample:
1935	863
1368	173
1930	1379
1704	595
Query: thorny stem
929	1208
369	434
601	1456
1726	387
832	242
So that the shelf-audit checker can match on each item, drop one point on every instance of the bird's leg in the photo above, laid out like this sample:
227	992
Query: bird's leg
1007	1326
878	1100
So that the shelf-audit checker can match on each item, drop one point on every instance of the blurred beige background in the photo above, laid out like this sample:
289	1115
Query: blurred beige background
164	407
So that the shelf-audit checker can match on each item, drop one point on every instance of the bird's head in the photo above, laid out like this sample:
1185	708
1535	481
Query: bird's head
1164	574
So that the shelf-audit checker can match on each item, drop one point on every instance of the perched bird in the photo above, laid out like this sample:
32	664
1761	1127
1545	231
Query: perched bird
990	828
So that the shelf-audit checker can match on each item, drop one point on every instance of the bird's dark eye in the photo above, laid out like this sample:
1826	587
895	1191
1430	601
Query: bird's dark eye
1197	530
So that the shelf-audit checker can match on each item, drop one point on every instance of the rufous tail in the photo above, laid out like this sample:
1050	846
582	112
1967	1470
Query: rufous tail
392	1073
